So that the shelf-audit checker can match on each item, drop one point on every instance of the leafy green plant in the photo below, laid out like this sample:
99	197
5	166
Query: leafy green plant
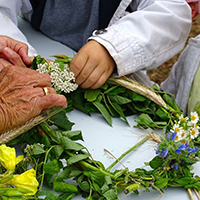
171	167
68	169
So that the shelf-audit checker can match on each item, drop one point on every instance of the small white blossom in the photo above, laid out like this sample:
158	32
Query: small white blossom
194	133
61	79
187	127
176	128
194	117
182	135
182	119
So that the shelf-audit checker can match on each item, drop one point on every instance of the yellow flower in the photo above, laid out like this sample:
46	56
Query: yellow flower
26	182
8	157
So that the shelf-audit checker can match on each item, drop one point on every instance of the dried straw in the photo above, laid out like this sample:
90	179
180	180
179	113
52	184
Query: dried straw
140	89
9	135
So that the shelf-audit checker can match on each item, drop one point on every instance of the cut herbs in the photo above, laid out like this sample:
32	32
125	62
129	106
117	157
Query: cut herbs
68	168
121	98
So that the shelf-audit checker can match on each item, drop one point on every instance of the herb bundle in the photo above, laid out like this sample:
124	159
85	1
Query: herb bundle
68	169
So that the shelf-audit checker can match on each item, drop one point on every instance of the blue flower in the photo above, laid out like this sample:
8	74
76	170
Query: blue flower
168	136
181	147
187	145
157	152
174	135
175	166
194	150
187	148
178	151
171	136
162	153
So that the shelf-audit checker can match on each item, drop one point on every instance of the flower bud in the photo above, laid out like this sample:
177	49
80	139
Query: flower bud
10	192
131	188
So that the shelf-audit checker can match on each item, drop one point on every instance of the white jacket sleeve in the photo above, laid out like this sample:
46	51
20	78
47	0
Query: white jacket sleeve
9	11
148	37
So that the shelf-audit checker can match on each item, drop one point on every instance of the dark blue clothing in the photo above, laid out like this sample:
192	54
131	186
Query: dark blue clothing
71	22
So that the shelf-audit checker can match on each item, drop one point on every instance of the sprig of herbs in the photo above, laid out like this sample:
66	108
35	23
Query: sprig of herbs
113	100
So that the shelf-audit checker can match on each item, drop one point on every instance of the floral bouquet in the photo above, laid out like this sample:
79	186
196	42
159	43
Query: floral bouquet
50	143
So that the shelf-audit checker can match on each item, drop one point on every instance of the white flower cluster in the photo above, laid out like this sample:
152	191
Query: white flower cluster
61	79
187	127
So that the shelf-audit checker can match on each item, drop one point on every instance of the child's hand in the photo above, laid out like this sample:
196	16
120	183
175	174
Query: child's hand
92	65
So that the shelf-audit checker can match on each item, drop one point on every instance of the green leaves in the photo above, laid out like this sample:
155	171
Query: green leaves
76	158
92	95
68	144
62	186
117	101
146	121
156	162
104	112
161	183
37	149
69	172
61	121
111	195
49	195
53	167
36	61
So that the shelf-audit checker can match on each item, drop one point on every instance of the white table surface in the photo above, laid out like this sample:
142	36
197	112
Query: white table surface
98	135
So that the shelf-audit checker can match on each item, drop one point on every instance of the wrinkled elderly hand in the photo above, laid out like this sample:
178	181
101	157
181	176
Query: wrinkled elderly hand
13	52
92	65
22	96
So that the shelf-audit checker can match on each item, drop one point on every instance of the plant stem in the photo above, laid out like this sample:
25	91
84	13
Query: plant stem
127	152
197	194
89	166
5	178
45	161
190	194
47	129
